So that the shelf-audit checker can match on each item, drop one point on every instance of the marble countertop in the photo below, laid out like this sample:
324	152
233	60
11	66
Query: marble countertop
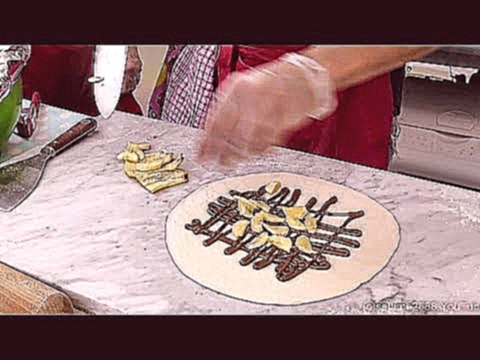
93	233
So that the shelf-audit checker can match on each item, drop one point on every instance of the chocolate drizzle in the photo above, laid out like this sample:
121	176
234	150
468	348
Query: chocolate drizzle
325	241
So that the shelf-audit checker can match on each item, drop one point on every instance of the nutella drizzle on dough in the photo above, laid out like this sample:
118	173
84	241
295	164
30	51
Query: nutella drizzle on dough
288	264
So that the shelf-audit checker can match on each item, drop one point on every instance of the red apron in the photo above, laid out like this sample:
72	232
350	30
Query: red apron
60	72
359	131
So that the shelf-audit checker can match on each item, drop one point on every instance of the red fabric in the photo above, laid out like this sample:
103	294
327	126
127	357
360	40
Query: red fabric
60	72
359	130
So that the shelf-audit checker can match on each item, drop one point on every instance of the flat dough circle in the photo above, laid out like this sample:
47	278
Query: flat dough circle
211	268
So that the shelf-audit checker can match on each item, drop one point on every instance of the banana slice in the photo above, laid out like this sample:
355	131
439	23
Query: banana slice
174	164
160	173
163	176
245	206
128	156
257	223
280	242
154	171
155	156
164	179
272	218
140	154
158	163
310	223
273	187
137	146
276	230
304	245
296	212
129	169
149	166
295	223
153	188
261	205
239	228
261	240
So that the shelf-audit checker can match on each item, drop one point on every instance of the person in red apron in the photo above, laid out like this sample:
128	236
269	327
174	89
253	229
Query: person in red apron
60	73
356	127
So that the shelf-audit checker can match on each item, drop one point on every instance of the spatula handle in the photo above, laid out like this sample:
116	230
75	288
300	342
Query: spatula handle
75	133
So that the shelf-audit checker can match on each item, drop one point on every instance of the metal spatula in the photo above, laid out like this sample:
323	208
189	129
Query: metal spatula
18	180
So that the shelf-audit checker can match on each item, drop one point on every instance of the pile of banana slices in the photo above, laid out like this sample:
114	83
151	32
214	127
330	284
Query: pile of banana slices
273	229
154	171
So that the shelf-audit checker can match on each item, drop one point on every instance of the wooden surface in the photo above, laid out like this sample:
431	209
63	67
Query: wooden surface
22	294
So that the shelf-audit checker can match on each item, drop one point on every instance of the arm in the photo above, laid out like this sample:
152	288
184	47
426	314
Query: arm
261	107
351	65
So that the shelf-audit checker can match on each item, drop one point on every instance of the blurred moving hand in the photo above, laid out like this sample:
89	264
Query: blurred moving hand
258	108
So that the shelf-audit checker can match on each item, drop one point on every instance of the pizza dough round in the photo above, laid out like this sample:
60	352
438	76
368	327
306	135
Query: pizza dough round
210	267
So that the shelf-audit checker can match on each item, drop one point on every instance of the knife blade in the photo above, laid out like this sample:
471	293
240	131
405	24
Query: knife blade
109	72
18	180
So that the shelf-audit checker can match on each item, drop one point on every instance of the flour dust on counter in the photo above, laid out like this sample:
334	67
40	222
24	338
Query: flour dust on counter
280	238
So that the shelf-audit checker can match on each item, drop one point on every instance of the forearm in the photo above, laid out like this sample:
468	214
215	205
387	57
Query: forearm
352	65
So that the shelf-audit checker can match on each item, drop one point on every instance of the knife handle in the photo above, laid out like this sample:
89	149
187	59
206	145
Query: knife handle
75	133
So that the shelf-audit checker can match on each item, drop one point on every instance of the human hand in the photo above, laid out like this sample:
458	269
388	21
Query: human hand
133	70
259	108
